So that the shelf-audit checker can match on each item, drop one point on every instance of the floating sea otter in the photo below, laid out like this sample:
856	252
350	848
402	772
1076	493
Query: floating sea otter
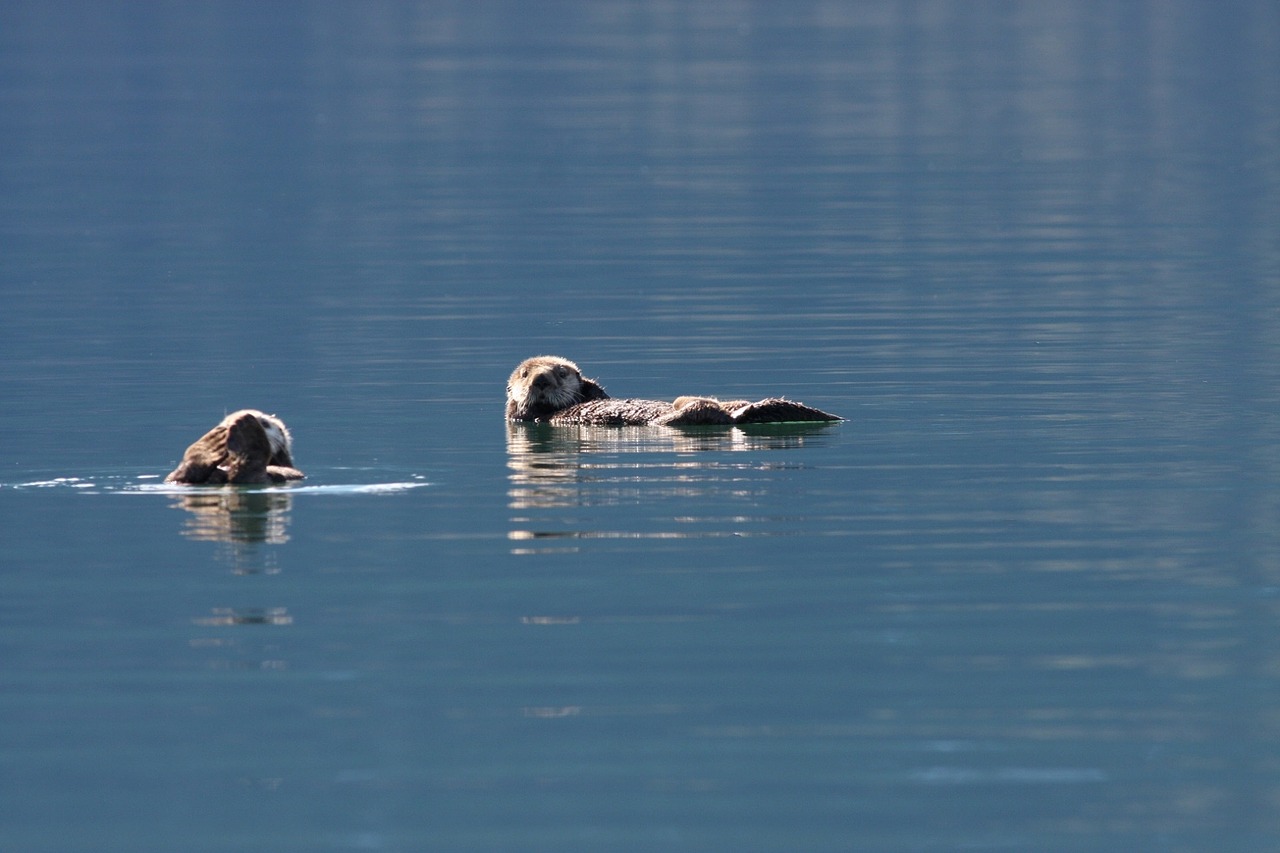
247	447
552	389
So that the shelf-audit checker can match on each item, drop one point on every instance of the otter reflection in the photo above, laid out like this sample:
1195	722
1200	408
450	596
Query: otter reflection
236	515
241	518
552	467
526	438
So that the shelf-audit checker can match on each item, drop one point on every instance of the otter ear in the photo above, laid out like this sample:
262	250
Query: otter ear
589	389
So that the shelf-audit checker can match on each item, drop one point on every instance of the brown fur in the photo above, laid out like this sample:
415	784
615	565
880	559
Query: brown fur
552	389
239	451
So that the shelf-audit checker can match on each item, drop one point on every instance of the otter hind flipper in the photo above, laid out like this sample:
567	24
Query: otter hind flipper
776	410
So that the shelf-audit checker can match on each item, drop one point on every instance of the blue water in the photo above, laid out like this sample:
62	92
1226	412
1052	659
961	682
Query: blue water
1024	598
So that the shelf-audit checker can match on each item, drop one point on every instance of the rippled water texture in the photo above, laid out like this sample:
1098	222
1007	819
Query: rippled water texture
1024	598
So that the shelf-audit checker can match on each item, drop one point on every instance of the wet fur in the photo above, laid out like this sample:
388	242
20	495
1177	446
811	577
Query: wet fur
552	389
247	447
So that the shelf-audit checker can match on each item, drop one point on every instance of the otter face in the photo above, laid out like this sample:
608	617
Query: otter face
543	385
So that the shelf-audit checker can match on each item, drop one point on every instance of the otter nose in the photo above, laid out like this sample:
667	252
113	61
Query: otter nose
541	381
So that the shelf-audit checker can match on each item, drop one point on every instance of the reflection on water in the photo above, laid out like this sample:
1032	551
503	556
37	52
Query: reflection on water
242	520
236	515
533	443
225	616
553	467
245	519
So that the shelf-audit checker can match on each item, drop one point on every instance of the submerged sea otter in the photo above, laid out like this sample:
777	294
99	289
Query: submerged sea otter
552	389
247	447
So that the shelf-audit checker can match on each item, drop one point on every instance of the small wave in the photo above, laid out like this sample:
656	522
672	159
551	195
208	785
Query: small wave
151	484
353	489
315	489
56	482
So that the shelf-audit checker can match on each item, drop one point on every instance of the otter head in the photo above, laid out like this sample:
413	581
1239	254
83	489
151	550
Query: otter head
541	386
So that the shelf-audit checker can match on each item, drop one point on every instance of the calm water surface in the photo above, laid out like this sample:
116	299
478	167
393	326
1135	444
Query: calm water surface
1024	598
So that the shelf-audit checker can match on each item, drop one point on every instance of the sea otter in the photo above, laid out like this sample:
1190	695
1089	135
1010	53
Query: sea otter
553	390
247	447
